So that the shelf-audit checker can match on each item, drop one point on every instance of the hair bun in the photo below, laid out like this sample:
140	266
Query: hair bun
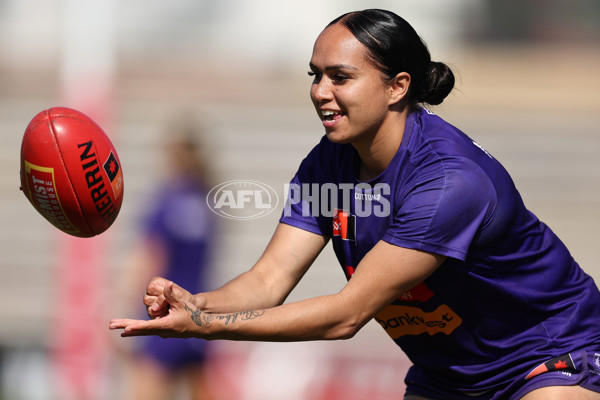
438	83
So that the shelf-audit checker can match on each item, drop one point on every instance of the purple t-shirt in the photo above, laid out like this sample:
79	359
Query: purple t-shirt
183	224
508	297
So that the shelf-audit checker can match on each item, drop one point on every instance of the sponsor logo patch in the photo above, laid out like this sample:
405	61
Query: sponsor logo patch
564	362
41	190
400	321
344	225
114	173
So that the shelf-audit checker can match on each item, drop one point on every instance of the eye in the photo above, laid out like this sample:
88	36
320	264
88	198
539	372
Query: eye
315	75
339	78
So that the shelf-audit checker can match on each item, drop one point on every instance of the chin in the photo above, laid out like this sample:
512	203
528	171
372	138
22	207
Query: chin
337	137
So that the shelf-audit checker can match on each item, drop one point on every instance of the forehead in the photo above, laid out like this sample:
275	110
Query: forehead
337	45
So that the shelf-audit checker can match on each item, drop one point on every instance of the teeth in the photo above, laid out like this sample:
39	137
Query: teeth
328	114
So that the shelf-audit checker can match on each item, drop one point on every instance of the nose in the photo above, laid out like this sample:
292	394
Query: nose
321	90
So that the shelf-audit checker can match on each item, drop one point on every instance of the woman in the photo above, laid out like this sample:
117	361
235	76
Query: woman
177	234
430	230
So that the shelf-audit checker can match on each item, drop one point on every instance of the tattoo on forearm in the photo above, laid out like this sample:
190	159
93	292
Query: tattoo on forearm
243	315
204	319
199	318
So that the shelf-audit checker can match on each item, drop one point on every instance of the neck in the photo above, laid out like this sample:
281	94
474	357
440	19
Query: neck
377	152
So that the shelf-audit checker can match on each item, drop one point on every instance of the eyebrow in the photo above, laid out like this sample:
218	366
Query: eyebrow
333	67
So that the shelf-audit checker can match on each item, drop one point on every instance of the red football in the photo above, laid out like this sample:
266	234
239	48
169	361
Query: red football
70	172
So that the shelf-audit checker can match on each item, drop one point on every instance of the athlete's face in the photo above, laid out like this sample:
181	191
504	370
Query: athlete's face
349	93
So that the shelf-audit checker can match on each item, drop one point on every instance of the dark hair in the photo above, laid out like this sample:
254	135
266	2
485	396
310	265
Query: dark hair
393	47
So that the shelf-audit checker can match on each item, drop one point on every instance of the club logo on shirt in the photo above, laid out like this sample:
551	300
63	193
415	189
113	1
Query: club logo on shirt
564	362
344	225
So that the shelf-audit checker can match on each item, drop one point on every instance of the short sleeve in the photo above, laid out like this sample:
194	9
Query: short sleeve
444	211
318	168
298	213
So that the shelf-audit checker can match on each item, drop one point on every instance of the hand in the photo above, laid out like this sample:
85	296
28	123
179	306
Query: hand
154	298
170	306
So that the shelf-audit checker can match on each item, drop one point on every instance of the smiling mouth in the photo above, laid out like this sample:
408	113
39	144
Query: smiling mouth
330	115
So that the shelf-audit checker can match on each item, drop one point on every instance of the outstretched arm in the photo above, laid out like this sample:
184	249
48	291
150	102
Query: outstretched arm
288	256
284	262
385	272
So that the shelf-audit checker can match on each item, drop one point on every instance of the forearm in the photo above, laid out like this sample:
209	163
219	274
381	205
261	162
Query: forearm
320	318
248	291
385	272
377	282
286	259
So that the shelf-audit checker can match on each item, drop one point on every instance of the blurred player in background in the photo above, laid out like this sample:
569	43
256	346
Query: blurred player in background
432	234
178	236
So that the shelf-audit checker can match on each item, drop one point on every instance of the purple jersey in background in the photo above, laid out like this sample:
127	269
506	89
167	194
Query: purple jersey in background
183	225
509	296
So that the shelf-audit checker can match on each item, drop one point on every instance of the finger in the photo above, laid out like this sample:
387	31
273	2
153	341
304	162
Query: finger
121	323
149	302
156	286
149	299
135	324
136	333
173	293
133	327
159	314
160	306
142	328
155	327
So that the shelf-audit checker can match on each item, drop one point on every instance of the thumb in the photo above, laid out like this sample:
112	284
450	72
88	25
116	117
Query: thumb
174	294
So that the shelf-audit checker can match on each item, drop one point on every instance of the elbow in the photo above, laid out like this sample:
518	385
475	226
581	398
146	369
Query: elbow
350	318
347	333
347	330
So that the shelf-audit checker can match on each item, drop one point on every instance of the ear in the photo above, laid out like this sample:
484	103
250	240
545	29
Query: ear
399	87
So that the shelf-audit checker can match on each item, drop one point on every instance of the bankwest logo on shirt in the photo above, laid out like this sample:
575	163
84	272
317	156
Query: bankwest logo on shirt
401	320
404	320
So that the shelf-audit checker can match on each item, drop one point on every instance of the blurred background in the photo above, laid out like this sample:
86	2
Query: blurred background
527	90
